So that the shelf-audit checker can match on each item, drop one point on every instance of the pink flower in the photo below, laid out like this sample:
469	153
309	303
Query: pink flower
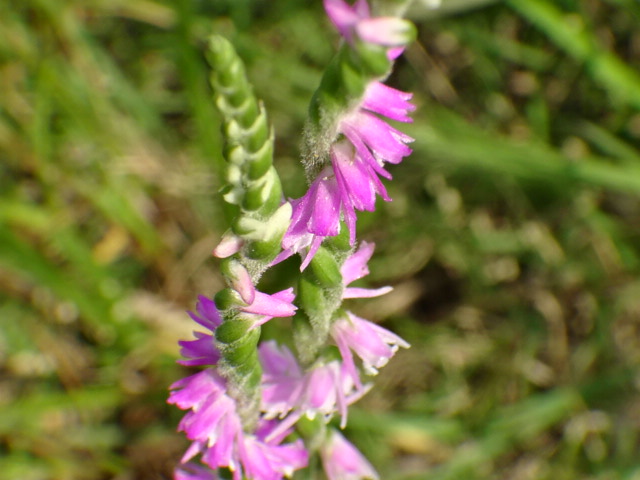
356	19
202	351
263	460
389	102
354	268
212	415
215	428
342	461
282	379
287	391
374	139
352	182
265	307
315	216
373	344
346	17
261	307
212	422
357	181
329	388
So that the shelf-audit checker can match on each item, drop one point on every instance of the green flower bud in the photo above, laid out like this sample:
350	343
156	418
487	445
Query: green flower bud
241	351
260	160
326	269
232	330
311	297
227	299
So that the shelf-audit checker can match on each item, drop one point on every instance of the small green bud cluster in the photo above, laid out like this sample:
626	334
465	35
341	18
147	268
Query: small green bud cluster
252	182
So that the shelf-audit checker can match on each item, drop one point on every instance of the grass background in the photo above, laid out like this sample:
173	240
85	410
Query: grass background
512	241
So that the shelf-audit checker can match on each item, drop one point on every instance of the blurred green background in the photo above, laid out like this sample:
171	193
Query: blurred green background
513	240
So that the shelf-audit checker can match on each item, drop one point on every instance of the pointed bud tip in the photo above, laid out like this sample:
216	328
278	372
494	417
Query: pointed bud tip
386	31
229	245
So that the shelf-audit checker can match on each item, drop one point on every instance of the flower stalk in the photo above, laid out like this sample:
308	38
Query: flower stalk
257	411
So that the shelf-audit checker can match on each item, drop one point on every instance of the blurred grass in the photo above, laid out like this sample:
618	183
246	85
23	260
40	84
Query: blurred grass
512	240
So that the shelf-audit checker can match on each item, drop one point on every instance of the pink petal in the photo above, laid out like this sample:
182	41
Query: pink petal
373	344
353	292
345	17
276	305
342	460
208	315
387	101
194	472
354	180
277	360
262	461
355	266
201	351
229	245
385	142
192	391
325	217
313	248
386	31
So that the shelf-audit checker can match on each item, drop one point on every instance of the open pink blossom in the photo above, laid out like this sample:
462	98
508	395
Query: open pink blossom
330	389
254	458
373	344
213	425
261	306
283	380
374	139
356	267
315	216
262	460
211	420
267	306
202	350
351	183
342	460
287	391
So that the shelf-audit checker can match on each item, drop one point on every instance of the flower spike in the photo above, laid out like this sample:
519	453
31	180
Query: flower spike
256	411
360	140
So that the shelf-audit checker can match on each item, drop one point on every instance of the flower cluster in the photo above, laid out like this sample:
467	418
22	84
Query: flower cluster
362	142
213	423
288	392
256	410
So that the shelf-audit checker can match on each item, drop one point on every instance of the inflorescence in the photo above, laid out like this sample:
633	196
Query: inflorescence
257	411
